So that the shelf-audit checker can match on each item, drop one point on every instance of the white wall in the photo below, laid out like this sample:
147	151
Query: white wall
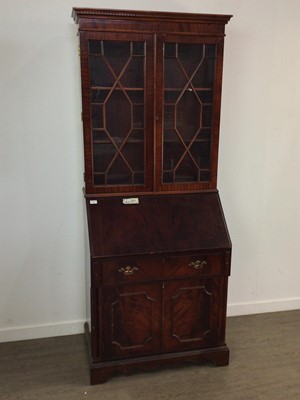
42	252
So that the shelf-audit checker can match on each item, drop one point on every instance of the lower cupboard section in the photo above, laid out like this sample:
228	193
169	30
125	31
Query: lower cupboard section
154	319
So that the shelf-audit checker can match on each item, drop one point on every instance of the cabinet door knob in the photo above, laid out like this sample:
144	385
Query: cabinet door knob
128	270
198	264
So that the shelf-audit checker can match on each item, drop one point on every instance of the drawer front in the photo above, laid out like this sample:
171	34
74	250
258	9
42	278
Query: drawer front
162	268
196	265
131	270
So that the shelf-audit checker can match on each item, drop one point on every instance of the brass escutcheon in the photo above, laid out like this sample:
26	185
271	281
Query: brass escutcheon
198	264
128	270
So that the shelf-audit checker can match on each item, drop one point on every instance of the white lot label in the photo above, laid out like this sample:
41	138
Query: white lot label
132	200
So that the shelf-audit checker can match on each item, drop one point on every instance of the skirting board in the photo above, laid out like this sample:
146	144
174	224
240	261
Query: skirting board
75	327
41	331
259	307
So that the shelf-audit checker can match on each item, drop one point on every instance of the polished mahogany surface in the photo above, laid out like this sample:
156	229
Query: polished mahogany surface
158	224
151	93
159	245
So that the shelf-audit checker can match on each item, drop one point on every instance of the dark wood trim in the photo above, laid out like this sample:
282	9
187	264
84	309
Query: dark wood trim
150	21
100	372
78	13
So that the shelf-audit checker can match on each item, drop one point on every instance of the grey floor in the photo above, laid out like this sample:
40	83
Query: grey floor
264	364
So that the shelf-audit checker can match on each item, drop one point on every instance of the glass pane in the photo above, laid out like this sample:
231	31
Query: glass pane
170	135
172	96
170	49
187	171
119	173
174	76
138	48
137	134
200	152
172	153
118	115
97	116
205	76
100	135
168	177
204	176
188	115
99	179
136	96
204	134
138	178
103	154
205	96
134	73
117	54
207	116
138	116
134	155
100	74
99	96
190	56
210	50
95	47
169	117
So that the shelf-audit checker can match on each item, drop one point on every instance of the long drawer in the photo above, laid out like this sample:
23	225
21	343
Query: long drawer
137	269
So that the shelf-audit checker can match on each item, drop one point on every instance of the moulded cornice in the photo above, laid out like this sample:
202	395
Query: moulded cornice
149	15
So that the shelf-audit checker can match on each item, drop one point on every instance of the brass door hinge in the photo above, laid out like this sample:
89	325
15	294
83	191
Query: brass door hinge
79	50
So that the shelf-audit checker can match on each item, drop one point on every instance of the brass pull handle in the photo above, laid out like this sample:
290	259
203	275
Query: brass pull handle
128	270
198	264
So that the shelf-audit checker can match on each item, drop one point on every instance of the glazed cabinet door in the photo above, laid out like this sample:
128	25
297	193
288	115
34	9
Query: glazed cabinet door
188	104
117	90
192	313
131	320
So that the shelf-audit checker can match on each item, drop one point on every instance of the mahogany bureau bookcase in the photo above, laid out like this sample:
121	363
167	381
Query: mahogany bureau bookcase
159	245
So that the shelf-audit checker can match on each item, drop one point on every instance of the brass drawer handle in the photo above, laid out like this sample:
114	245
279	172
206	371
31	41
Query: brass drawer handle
128	270
198	264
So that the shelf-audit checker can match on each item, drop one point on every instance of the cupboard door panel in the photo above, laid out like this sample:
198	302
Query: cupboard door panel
191	314
131	320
